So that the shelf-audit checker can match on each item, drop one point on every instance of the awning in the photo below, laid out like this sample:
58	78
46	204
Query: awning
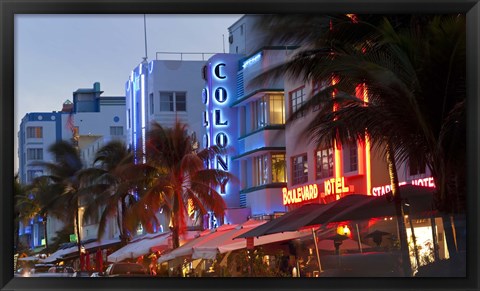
263	240
351	207
145	245
71	249
208	249
187	248
223	240
138	247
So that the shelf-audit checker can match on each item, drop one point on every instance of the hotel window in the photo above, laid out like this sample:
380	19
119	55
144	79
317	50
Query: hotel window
32	174
259	113
297	98
350	157
279	175
268	110
152	107
34	154
277	109
261	170
416	167
173	101
116	130
300	169
324	163
316	87
34	132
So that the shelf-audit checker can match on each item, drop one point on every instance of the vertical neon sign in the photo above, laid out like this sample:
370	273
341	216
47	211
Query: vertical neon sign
219	118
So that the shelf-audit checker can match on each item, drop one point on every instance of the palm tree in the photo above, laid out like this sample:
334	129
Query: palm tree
65	177
114	176
407	114
25	208
175	174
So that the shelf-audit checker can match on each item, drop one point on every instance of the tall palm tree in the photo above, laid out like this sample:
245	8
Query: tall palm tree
175	174
407	114
114	175
25	208
65	178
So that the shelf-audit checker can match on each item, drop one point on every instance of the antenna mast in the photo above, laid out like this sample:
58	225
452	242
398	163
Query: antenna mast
145	31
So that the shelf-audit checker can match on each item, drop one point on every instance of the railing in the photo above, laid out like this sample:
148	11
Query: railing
180	56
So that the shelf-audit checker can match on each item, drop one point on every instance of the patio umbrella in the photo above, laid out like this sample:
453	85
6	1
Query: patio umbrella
377	236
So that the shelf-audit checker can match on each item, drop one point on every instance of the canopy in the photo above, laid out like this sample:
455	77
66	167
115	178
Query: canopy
351	207
223	240
187	248
263	240
209	248
139	247
144	245
71	248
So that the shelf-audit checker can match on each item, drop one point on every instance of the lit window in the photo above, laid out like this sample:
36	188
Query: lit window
268	110
324	163
300	169
279	174
34	132
277	109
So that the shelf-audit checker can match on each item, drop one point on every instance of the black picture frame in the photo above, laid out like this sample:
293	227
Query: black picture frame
8	9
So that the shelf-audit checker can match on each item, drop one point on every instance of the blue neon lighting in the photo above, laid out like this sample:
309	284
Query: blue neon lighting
252	60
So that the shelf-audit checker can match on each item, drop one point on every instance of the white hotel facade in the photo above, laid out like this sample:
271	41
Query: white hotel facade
97	119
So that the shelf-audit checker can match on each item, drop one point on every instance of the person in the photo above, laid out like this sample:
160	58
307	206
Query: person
153	269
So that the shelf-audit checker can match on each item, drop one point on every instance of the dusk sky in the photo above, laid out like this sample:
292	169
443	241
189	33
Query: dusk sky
57	54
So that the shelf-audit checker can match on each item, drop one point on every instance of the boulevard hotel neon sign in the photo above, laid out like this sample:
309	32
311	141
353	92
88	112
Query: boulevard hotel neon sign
334	186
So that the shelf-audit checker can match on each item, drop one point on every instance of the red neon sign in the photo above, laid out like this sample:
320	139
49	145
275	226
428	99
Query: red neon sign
423	182
300	194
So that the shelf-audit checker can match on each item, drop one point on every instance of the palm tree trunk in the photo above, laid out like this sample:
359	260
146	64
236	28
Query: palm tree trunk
122	224
77	230
397	198
45	219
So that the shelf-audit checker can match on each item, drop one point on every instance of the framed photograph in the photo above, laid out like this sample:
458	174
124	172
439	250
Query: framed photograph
239	145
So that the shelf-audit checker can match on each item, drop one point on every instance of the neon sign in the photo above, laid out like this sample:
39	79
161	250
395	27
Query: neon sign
336	186
423	182
300	194
252	60
216	117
